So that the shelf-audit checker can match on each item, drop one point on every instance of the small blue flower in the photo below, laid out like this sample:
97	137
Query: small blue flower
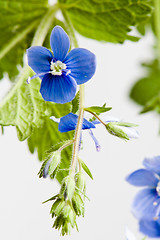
61	71
69	123
150	228
146	204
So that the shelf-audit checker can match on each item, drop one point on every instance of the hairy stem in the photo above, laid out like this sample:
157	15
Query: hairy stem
95	115
78	129
68	143
157	26
81	102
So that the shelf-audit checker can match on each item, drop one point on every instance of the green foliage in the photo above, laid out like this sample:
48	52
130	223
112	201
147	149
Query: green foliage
47	139
109	21
18	19
98	110
85	168
146	91
75	103
25	108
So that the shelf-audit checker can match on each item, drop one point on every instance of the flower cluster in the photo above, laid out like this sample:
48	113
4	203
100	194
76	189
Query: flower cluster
146	205
60	71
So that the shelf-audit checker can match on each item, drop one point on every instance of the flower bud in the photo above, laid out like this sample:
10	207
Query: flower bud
57	207
122	130
68	187
55	161
51	164
69	214
80	181
78	204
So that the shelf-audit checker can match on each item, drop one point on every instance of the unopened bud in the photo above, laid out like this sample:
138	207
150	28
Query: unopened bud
68	187
80	181
122	130
78	204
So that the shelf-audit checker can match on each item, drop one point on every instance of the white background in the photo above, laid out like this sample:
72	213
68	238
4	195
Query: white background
23	217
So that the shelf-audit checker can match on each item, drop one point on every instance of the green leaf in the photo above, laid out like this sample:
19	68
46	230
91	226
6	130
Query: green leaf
46	139
109	21
86	169
75	103
25	108
146	91
18	19
97	110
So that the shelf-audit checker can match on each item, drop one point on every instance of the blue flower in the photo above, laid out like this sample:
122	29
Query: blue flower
69	123
61	71
146	204
150	228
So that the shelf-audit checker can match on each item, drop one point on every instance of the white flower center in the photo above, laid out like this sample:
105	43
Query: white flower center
57	67
158	188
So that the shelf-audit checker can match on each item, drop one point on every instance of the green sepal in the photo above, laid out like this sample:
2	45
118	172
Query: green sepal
53	175
85	168
78	204
68	187
124	124
57	207
40	173
51	199
80	181
116	131
69	214
56	157
98	110
66	229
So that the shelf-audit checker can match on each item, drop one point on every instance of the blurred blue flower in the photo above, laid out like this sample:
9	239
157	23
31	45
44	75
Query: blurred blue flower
61	71
150	228
146	204
69	123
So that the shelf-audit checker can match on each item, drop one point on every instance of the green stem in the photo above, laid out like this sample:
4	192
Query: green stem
78	129
95	115
157	26
81	103
70	28
68	143
17	39
44	26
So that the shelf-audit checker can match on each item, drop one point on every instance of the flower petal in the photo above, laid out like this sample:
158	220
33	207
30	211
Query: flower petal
145	204
153	164
39	59
130	131
69	123
82	64
142	177
58	89
60	43
150	228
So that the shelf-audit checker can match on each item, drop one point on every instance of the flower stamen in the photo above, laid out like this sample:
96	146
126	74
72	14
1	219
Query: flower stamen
57	68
